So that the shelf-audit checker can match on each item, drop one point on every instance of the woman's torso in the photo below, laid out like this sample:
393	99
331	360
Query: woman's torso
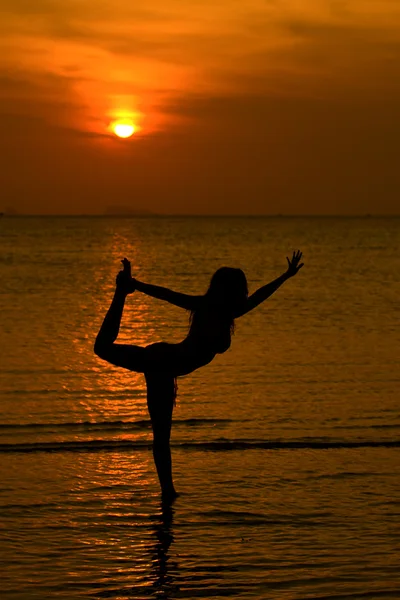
209	335
210	330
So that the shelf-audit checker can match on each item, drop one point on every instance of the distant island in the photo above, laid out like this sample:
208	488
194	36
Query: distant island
9	212
126	211
121	211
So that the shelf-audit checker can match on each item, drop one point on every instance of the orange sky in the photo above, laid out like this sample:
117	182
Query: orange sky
244	106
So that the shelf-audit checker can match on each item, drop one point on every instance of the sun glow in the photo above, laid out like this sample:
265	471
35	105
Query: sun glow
123	129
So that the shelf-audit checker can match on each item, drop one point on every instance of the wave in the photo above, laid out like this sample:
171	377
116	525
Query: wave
105	425
144	424
212	446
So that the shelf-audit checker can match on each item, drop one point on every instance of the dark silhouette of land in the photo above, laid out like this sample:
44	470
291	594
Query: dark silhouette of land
126	211
10	212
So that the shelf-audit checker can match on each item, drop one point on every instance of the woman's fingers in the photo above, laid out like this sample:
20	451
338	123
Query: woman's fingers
294	262
297	254
297	257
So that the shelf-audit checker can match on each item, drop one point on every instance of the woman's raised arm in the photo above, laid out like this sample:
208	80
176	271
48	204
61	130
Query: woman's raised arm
185	301
267	290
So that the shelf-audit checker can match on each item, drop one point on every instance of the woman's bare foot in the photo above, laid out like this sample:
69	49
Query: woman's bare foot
127	267
168	496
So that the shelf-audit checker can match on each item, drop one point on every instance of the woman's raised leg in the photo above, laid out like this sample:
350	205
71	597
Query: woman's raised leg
127	356
160	402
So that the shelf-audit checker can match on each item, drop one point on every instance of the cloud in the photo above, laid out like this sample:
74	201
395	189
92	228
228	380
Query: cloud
141	48
275	98
136	59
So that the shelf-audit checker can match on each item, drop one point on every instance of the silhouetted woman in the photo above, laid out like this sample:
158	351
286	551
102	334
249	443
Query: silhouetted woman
211	325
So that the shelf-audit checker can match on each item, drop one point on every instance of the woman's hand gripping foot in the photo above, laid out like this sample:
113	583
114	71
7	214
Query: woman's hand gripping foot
125	282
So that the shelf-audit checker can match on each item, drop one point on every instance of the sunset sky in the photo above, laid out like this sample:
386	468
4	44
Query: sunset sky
240	106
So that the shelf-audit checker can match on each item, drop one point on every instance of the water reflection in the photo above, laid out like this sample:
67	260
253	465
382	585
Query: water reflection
164	570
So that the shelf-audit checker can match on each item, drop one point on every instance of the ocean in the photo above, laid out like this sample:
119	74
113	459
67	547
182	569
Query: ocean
286	449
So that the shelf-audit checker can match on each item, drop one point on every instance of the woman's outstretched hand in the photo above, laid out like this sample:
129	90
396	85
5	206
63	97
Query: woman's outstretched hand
125	281
294	265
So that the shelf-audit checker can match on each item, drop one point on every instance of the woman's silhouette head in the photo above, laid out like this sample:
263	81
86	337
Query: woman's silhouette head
228	288
227	293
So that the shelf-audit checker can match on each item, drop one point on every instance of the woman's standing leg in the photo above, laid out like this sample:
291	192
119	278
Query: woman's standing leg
160	402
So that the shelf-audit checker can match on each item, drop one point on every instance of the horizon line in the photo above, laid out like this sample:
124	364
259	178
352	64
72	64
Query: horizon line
197	215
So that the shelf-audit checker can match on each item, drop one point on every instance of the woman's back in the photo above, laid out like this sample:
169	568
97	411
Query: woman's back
210	327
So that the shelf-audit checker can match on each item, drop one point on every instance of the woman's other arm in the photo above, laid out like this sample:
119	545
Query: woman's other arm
267	290
186	301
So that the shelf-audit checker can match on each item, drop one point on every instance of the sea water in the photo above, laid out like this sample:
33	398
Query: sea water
285	448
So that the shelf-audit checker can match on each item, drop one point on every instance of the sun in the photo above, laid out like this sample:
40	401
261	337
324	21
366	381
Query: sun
123	129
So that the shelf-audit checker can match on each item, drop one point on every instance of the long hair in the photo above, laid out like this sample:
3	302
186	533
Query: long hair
227	291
